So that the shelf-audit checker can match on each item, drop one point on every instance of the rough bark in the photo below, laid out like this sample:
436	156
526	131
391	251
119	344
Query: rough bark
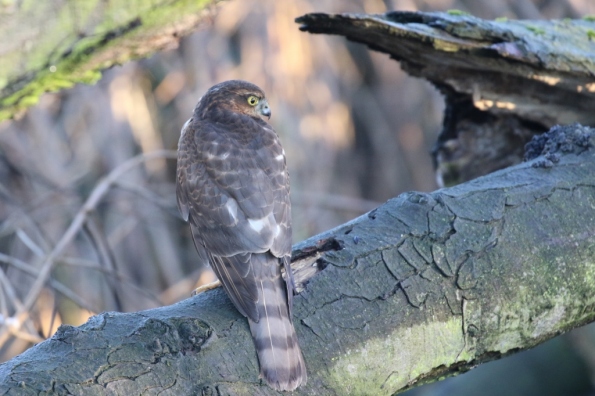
504	81
425	286
51	45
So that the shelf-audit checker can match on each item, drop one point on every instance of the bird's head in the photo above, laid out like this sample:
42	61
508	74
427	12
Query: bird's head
237	96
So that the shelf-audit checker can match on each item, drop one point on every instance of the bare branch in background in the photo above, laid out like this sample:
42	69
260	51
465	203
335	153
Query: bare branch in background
77	223
59	287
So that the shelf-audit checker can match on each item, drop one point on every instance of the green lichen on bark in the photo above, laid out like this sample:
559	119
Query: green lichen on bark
441	340
52	46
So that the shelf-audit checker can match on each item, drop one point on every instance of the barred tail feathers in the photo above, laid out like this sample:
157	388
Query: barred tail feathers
281	362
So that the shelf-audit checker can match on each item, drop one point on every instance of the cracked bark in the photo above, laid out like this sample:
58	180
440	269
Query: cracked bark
427	285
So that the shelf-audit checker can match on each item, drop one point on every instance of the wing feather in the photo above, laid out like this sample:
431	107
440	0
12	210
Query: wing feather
256	187
238	282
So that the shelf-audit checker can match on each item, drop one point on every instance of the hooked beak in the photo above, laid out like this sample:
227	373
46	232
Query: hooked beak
263	109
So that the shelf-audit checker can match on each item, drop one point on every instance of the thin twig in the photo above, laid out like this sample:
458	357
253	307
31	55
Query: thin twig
96	195
3	305
83	263
122	230
168	205
14	325
22	235
105	257
56	285
32	338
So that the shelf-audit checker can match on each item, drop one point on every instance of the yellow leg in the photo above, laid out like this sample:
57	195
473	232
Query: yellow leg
204	288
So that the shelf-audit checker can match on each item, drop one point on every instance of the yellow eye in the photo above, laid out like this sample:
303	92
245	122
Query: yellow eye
252	100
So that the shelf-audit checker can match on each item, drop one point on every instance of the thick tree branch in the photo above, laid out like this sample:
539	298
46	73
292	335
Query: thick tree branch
52	45
426	285
504	81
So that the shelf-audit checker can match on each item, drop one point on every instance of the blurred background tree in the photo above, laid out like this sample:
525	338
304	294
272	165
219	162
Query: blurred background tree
357	131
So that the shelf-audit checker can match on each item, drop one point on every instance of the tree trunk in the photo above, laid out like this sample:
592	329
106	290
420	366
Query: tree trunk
425	286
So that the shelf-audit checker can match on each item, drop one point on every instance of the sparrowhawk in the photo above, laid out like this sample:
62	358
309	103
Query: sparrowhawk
233	189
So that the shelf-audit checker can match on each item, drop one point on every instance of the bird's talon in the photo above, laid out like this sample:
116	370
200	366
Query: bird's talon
204	288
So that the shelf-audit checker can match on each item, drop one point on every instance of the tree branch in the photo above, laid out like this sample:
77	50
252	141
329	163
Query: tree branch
504	81
54	45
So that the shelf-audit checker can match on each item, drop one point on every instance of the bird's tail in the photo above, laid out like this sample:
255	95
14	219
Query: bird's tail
279	354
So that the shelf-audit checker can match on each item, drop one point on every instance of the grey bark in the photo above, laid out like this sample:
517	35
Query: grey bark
425	286
504	81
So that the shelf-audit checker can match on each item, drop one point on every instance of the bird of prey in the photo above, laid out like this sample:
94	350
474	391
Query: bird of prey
233	188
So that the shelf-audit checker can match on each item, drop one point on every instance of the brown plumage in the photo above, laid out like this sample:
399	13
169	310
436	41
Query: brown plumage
233	189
